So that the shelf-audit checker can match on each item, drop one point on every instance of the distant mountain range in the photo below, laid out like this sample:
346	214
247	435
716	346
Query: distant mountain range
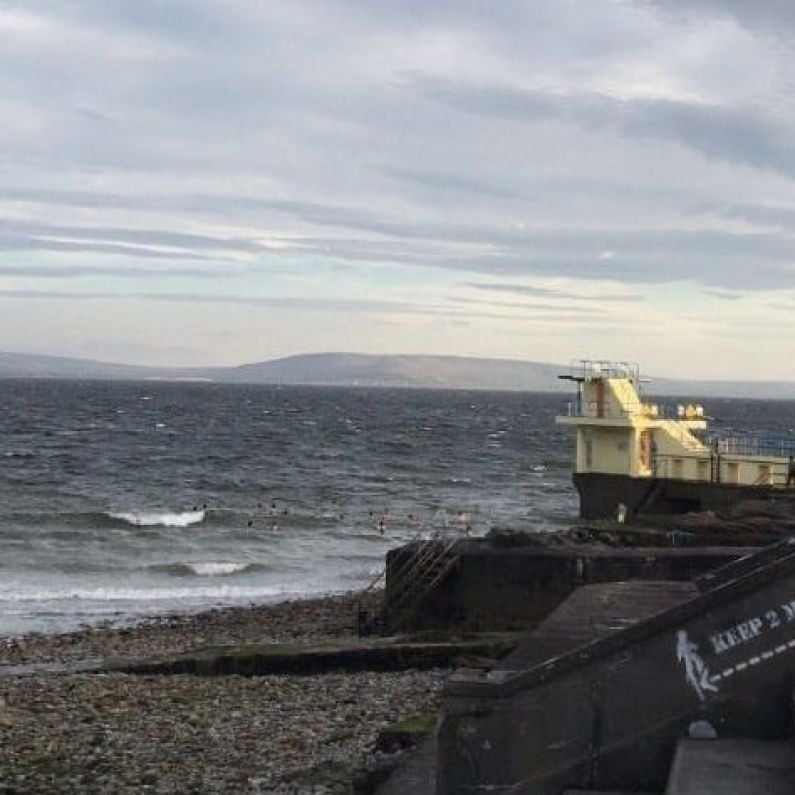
351	369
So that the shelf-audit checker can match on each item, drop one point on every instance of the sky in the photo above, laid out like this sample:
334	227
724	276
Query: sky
214	182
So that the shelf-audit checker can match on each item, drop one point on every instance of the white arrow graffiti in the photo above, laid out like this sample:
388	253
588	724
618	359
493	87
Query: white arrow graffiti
696	670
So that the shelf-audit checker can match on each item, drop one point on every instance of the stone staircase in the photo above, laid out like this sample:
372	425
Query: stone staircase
689	441
732	767
611	692
725	767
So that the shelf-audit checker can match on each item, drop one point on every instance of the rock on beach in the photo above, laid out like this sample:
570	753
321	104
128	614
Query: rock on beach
77	732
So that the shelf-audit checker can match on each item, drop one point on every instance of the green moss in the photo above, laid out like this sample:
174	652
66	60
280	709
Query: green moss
417	725
406	732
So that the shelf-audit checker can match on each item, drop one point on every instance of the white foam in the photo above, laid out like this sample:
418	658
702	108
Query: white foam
138	594
165	519
216	568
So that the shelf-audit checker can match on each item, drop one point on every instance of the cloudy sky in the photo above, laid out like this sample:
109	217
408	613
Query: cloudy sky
225	181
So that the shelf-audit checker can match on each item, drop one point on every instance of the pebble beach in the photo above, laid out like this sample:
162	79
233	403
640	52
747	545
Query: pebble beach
62	731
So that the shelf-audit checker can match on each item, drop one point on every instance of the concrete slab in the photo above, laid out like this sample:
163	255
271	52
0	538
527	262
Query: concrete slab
381	654
732	767
595	611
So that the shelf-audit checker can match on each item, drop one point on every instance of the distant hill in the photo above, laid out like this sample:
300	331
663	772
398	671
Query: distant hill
753	390
435	372
352	369
25	365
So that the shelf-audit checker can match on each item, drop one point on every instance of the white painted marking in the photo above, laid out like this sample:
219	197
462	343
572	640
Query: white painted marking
754	661
697	674
781	648
766	655
741	666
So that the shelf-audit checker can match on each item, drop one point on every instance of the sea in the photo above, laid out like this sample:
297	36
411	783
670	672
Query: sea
124	500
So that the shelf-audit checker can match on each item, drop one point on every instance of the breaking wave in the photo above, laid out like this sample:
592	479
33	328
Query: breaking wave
210	568
140	594
144	519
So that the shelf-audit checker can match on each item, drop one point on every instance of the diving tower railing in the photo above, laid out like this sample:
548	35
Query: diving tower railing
586	369
752	445
654	411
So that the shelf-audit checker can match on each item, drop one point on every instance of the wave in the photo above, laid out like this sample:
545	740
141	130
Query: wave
210	568
144	519
141	594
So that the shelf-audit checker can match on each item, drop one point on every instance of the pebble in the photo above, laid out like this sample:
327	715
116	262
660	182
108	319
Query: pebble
98	733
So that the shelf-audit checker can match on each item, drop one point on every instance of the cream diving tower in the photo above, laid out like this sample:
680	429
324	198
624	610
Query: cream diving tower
634	456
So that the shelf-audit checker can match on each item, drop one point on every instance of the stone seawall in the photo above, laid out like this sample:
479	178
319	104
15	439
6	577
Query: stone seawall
495	587
601	493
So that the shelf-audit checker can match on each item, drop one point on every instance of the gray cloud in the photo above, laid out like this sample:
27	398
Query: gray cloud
136	243
538	308
764	215
397	147
547	292
530	313
449	182
20	243
70	271
715	258
356	306
773	17
724	295
742	135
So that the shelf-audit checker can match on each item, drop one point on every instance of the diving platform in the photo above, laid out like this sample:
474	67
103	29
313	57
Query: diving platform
636	456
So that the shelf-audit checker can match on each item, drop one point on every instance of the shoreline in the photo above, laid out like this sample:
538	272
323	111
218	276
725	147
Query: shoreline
291	620
79	732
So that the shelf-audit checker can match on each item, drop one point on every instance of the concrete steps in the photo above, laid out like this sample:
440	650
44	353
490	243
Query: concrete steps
732	767
608	712
725	767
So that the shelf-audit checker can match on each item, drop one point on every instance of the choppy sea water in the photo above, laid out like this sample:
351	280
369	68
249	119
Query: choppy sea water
120	500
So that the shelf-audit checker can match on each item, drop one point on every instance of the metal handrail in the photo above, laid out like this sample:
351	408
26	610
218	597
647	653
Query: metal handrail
428	561
603	368
408	572
654	411
418	564
662	466
414	595
753	444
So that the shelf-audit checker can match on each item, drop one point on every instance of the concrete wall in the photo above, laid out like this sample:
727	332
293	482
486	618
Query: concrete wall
608	716
505	588
611	449
600	493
